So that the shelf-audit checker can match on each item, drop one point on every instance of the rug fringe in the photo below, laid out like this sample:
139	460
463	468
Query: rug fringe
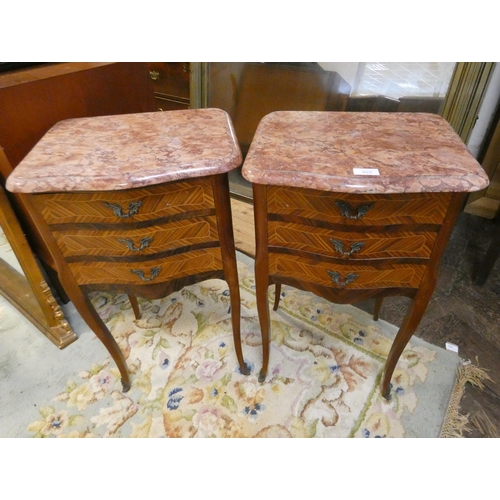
456	424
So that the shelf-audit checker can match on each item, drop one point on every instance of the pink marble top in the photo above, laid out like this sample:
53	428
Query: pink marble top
361	153
107	153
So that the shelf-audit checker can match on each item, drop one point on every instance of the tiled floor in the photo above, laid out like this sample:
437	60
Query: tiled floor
398	79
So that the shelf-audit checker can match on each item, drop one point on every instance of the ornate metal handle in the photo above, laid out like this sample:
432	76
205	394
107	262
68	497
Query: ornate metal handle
154	75
133	209
155	271
353	213
144	243
336	278
355	247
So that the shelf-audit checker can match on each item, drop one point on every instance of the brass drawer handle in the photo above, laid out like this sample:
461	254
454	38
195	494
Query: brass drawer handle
355	247
133	209
155	271
337	278
352	213
154	75
144	243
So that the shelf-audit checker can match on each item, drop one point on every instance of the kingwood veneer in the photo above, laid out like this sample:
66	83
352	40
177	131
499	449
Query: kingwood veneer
352	206
136	204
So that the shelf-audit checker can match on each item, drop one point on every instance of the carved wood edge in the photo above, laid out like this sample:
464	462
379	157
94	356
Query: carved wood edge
30	293
16	289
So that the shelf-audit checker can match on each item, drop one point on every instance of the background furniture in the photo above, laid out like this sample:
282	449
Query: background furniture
352	206
486	203
29	292
32	100
136	204
249	91
171	84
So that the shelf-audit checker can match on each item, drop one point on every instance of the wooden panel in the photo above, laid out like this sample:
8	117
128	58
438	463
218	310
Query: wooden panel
150	240
33	100
171	268
313	271
382	245
156	201
391	209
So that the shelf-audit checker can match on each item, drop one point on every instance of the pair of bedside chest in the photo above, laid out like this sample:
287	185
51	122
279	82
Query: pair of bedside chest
349	206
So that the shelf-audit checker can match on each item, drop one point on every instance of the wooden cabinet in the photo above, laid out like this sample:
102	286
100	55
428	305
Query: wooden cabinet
139	242
171	83
352	206
149	214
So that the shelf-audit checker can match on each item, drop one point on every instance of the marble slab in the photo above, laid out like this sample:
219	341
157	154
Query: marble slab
361	153
127	151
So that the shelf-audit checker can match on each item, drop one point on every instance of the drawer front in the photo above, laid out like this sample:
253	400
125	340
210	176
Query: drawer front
138	242
170	103
170	78
150	272
346	276
351	245
127	206
342	208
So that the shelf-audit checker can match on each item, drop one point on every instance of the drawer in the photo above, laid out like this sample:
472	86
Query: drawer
127	206
150	272
138	242
171	78
348	276
170	103
363	209
352	245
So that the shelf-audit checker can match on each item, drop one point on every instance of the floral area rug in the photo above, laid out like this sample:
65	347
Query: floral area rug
323	381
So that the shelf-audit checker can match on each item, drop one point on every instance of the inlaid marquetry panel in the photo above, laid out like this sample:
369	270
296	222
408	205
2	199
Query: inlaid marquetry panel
338	208
128	206
351	245
138	242
353	276
152	272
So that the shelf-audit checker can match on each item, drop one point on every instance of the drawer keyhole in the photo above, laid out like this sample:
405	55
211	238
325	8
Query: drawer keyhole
133	209
339	246
155	271
353	213
144	243
337	278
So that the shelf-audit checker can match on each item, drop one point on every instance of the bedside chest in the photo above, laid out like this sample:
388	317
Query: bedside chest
352	206
136	204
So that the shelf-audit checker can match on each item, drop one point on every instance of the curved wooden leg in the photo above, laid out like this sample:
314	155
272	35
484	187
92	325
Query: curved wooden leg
277	296
408	327
234	296
89	314
135	306
376	309
261	286
220	185
262	271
